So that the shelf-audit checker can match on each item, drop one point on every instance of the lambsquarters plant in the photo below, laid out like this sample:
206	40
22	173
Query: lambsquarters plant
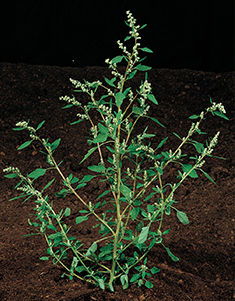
129	214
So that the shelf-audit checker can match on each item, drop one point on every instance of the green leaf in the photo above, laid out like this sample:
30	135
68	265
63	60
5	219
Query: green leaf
158	122
172	256
148	284
177	135
67	212
103	194
187	167
124	281
92	249
48	184
137	110
86	178
100	138
161	143
24	145
52	227
143	235
101	283
81	219
135	277
208	177
220	114
125	191
96	168
117	59
194	116
182	217
44	258
89	153
55	144
142	27
37	173
110	81
40	125
146	49
18	129
127	38
77	121
152	98
199	146
11	175
142	67
155	270
134	213
119	97
131	75
67	106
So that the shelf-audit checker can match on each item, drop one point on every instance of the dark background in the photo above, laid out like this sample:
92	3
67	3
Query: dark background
195	34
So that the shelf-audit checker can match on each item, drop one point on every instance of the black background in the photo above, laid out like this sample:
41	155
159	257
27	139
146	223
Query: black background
183	34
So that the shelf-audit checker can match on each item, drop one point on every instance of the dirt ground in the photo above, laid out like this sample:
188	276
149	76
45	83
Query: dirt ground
205	246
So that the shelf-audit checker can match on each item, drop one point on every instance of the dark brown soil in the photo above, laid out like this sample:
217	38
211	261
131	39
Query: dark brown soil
205	246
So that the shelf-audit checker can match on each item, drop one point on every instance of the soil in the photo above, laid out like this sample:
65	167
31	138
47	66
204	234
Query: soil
205	270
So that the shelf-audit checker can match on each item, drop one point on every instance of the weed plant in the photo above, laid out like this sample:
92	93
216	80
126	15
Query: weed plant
137	199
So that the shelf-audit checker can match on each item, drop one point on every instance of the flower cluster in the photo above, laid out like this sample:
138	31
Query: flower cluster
145	89
12	169
216	106
87	86
71	100
24	125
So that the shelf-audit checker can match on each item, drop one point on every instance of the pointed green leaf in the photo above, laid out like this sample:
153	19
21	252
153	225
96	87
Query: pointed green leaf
48	184
81	219
158	122
103	194
134	213
152	98
110	81
11	175
143	235
142	67
194	116
89	153
125	191
146	49
187	167
96	168
52	227
182	217
135	277
206	175
67	212
101	283
40	125
148	284
86	178
100	138
24	145
75	122
44	258
37	173
119	97
131	75
55	144
92	249
161	143
117	59
172	256
155	270
220	114
124	281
